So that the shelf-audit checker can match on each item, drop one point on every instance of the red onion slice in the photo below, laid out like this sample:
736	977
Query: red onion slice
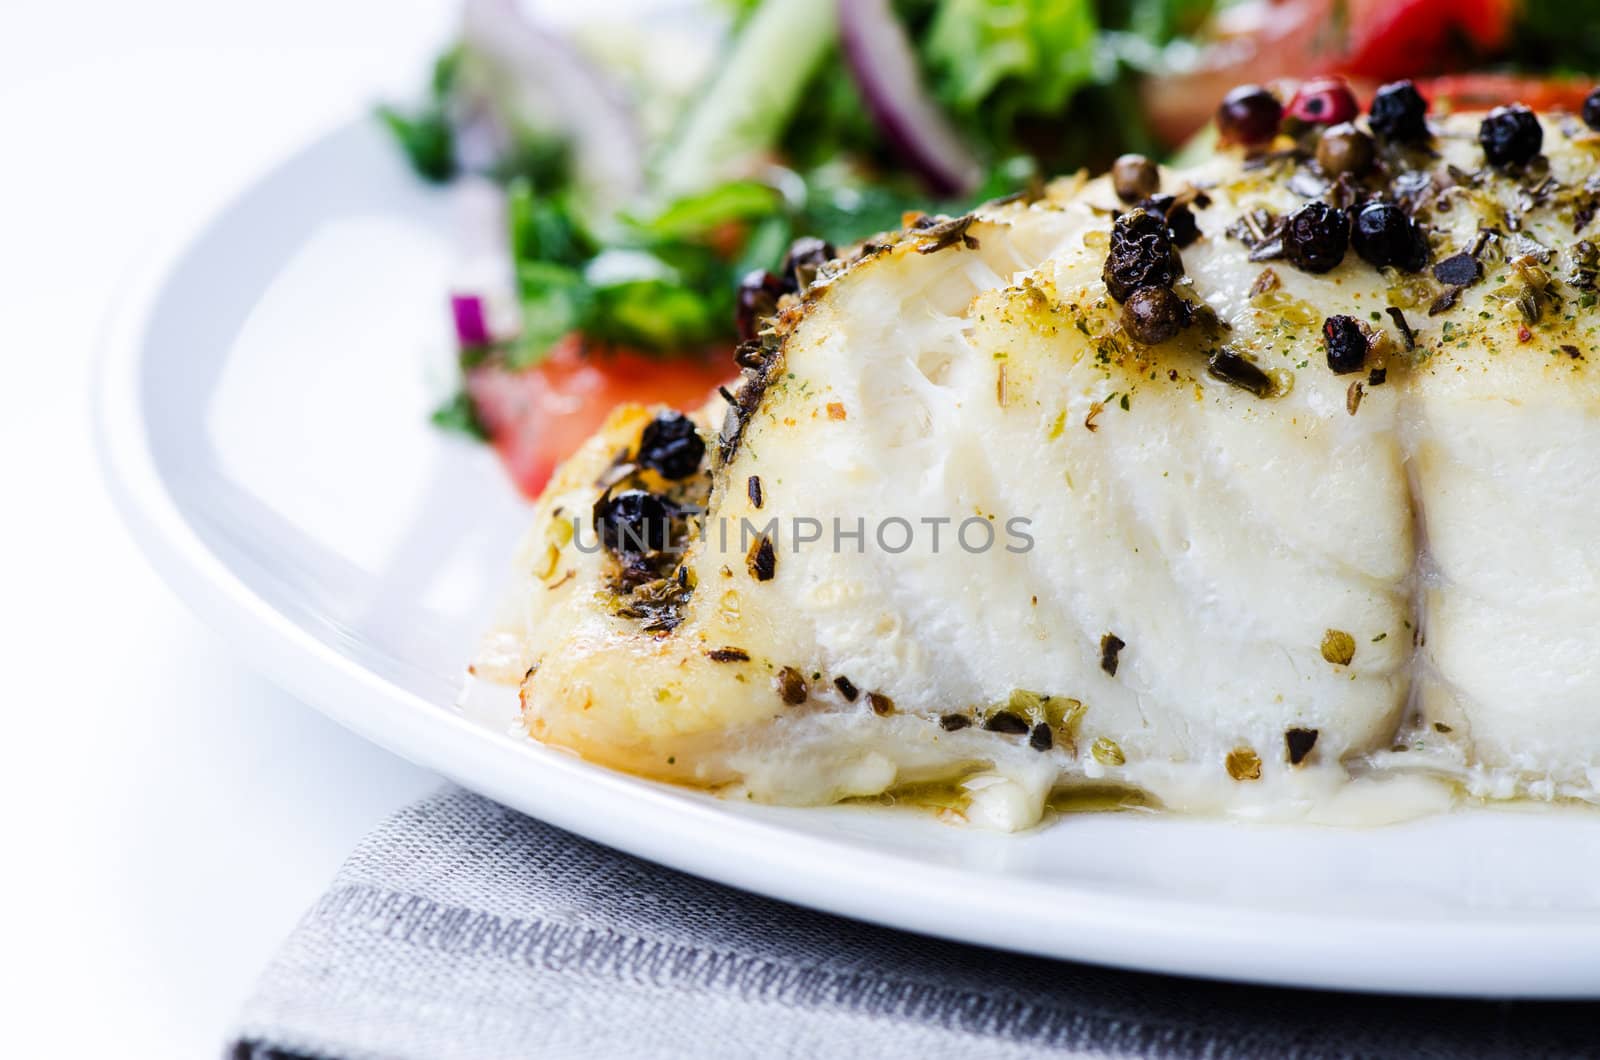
539	80
472	323
483	300
880	58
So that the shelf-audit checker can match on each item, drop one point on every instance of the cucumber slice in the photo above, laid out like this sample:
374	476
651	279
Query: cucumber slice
749	100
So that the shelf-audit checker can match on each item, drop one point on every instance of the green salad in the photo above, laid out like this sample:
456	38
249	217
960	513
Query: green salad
785	139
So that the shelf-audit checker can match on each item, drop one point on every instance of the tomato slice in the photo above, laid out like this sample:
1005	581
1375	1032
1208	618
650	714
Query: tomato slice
1482	91
1370	41
538	417
1390	39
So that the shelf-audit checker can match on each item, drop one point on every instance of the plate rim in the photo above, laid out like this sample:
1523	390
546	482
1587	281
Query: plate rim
1138	933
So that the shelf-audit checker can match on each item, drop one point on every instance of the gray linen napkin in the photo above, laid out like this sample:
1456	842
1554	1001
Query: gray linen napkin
463	929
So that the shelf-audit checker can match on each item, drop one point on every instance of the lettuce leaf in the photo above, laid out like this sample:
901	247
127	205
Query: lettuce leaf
424	132
1010	56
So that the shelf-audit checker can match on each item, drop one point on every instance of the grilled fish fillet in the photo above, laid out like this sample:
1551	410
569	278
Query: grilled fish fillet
1120	565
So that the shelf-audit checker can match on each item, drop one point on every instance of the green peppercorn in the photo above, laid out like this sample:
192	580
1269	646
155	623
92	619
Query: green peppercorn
1249	115
1344	149
1152	315
1135	177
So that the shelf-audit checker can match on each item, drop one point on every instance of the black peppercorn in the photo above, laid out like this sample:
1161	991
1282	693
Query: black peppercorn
1346	344
1511	136
1249	115
1316	237
1591	110
1399	113
756	302
1141	255
1384	234
672	446
1152	315
1134	177
806	255
632	523
1343	149
1181	226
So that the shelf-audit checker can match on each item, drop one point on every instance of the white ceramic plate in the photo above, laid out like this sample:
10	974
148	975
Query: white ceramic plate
263	415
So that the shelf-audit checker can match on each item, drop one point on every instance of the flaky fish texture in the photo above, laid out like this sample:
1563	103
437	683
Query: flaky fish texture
958	535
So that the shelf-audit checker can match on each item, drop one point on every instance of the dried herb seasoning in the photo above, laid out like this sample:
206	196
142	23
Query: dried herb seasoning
1406	335
756	303
1353	396
656	604
1458	270
762	560
947	233
1111	647
805	258
791	685
1004	721
1236	370
1107	752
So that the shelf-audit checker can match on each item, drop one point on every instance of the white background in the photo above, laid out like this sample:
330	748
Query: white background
168	815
